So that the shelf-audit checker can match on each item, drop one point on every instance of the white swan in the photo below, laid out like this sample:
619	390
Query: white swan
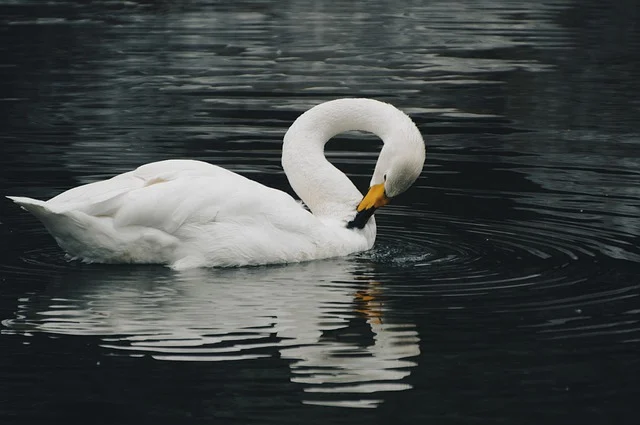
187	213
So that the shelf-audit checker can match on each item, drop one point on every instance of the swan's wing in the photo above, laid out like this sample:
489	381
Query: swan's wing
169	194
192	200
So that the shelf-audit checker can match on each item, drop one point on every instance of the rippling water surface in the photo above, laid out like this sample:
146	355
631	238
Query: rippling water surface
503	287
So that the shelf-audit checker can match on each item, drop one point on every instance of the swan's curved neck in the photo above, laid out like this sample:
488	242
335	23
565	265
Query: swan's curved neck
323	188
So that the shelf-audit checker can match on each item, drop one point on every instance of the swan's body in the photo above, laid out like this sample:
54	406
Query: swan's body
189	213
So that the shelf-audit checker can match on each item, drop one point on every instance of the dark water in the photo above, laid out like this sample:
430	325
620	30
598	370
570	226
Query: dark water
503	287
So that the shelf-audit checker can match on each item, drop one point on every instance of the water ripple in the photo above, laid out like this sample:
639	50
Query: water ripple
523	228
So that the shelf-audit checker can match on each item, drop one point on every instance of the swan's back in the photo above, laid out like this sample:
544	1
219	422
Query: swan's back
146	175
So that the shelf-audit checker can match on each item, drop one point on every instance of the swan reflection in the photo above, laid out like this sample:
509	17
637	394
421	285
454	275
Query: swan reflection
326	318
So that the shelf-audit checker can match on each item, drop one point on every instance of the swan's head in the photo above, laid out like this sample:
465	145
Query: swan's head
399	165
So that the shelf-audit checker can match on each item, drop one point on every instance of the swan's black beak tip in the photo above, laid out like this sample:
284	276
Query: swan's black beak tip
361	219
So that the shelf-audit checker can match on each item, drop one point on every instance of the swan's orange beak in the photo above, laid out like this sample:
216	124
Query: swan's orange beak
374	199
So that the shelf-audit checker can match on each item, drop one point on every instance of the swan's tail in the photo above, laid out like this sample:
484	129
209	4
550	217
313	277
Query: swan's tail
65	228
34	206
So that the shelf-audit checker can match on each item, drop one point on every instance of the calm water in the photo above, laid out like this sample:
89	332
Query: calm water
503	287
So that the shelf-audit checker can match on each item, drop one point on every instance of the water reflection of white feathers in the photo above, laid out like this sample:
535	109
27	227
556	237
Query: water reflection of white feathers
326	318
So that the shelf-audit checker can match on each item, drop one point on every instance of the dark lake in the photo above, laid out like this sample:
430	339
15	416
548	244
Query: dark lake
503	287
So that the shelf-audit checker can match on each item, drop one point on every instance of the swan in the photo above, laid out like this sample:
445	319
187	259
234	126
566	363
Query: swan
188	213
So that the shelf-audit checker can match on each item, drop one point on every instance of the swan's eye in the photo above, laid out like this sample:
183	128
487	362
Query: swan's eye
384	177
